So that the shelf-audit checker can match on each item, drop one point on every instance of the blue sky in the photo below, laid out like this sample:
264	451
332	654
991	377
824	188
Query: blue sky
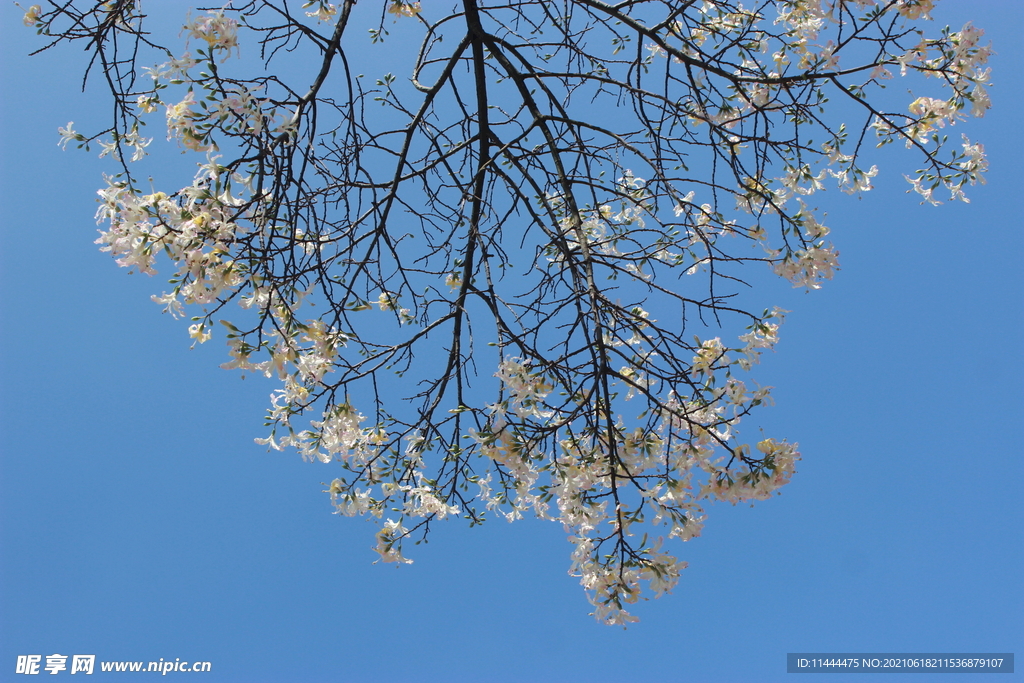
138	520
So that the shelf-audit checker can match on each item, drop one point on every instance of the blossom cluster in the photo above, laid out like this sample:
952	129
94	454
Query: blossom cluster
957	58
325	11
403	8
195	230
609	477
220	32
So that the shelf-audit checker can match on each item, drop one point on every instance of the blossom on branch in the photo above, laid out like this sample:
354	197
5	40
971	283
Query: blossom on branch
504	283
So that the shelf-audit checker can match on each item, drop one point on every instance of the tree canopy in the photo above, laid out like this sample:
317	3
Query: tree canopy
518	277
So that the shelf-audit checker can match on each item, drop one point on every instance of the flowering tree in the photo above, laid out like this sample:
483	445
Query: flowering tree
543	226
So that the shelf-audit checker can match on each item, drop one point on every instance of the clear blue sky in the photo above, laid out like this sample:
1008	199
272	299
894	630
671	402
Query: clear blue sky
138	520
